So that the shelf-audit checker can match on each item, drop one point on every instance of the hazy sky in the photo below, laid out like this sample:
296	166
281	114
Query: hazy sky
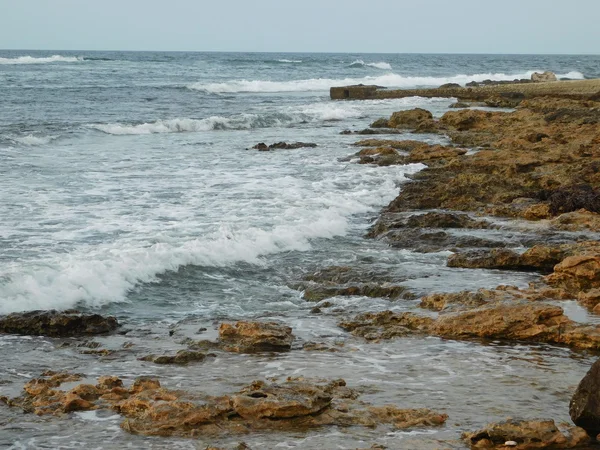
395	26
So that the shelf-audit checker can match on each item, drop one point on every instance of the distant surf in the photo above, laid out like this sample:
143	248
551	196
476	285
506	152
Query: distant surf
388	80
45	60
376	65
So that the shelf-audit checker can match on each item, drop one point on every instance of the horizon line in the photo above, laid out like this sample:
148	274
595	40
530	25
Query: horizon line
299	52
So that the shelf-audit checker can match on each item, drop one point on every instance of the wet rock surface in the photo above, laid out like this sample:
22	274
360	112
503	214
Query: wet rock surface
181	357
253	337
349	281
283	146
296	404
584	408
526	435
533	322
57	323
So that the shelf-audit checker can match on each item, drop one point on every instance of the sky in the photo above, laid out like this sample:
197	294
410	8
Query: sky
384	26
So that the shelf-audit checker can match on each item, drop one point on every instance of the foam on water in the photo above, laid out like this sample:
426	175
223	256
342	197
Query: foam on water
97	275
31	140
288	61
387	80
376	65
33	60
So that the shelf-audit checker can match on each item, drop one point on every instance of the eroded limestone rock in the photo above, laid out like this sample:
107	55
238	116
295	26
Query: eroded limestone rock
57	323
527	435
253	337
296	404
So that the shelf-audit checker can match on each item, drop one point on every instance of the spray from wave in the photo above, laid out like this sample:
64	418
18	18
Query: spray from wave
390	80
99	275
376	65
33	60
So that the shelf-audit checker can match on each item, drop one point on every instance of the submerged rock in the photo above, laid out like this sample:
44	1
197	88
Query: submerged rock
253	337
296	405
524	321
345	281
282	146
57	323
182	357
526	435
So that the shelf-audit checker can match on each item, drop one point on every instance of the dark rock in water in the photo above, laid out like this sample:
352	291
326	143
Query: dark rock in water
253	337
57	323
346	281
427	241
261	146
584	408
498	82
528	434
182	357
445	220
380	123
450	86
368	131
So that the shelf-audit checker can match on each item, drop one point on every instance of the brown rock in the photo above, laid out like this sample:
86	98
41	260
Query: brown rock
56	324
531	434
252	337
294	405
523	321
428	153
539	257
409	119
73	402
577	273
464	299
544	77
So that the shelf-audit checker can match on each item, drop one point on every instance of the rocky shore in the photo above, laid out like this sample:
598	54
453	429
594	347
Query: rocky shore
533	171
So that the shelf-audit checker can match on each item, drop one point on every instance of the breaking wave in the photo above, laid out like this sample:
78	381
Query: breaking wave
390	80
376	65
288	61
312	113
99	275
33	60
31	140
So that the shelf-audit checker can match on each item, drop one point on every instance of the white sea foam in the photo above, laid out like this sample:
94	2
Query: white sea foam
31	140
313	113
289	61
376	65
33	60
388	80
164	126
105	273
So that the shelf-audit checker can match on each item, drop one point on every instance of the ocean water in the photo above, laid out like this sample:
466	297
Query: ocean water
127	187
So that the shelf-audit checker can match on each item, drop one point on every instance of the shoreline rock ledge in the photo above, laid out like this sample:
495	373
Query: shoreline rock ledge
54	323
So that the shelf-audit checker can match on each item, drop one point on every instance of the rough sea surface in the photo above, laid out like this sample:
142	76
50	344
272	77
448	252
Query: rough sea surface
126	188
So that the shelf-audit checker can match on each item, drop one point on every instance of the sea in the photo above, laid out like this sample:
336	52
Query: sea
128	187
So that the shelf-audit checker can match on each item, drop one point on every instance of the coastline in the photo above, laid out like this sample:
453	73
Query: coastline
501	171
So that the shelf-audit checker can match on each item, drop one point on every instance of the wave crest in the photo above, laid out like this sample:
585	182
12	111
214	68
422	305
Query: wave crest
390	80
45	60
376	65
